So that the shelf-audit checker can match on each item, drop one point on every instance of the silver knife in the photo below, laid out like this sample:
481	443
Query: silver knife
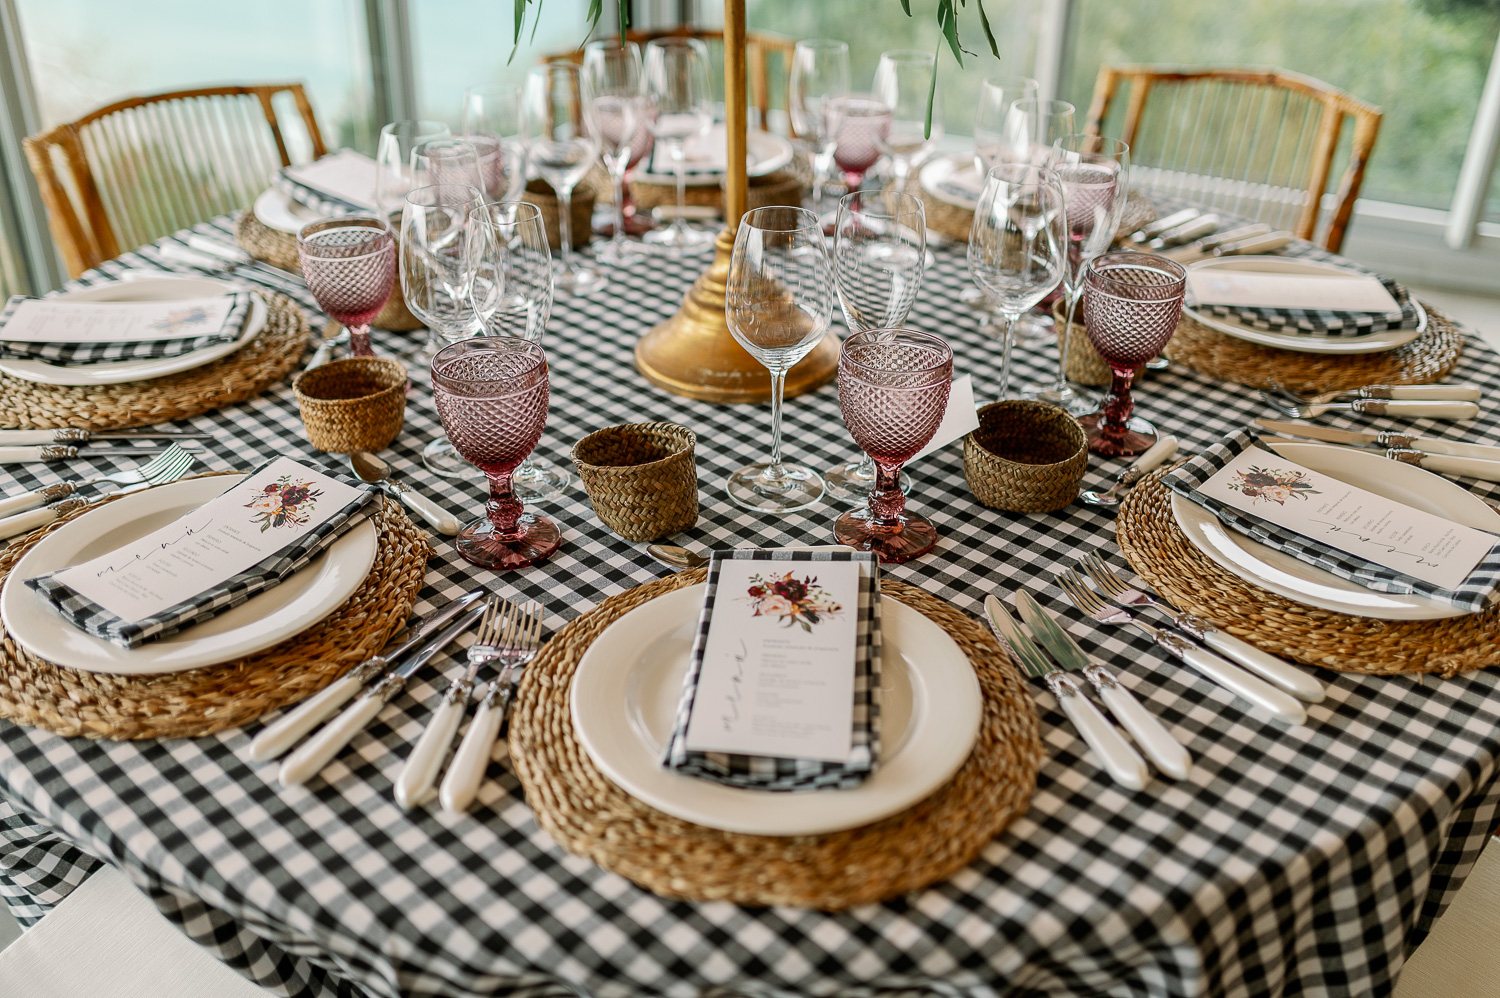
69	435
1153	229
282	734
1168	754
66	452
1121	761
317	751
1382	438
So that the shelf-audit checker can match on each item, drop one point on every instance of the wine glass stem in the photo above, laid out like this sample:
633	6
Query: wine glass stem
1005	341
618	178
1117	403
359	341
679	167
565	228
887	501
778	384
1062	341
503	508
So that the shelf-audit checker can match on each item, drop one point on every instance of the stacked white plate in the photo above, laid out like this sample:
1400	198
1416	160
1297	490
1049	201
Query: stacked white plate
764	153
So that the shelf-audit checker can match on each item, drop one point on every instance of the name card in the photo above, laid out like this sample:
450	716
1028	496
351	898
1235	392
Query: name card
1258	289
346	175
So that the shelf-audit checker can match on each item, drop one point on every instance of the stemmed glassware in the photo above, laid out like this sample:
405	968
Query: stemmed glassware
681	108
1017	245
903	83
778	305
349	264
446	161
879	249
614	100
491	394
820	70
434	275
996	95
494	111
1095	175
1031	126
1131	309
562	148
394	172
893	391
858	124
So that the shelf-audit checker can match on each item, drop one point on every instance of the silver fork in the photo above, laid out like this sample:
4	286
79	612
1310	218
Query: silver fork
1283	674
1451	393
1220	670
1410	408
170	465
419	775
467	770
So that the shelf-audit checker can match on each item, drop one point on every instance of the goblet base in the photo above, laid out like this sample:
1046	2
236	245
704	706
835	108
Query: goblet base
1032	330
538	478
1137	437
534	540
911	536
1070	400
616	253
441	459
853	482
680	238
796	488
578	281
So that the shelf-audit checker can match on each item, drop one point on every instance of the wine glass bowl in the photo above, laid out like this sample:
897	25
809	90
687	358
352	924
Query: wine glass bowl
394	172
446	161
903	83
434	260
349	264
680	107
858	124
996	95
494	111
819	72
614	99
562	149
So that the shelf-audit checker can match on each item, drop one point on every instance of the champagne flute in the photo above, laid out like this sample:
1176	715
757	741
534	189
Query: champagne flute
349	263
614	99
903	82
678	91
879	253
820	70
562	149
858	124
494	109
393	164
434	272
778	305
1017	245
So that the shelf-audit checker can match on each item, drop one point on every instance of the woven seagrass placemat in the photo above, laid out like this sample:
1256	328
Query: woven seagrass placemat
267	358
928	842
40	694
954	221
1425	359
1161	554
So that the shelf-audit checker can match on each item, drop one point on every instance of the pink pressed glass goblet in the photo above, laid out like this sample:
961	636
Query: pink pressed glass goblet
349	265
858	124
1131	304
893	390
491	394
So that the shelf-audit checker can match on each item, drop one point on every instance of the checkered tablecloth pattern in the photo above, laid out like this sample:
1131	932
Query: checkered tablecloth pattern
1295	861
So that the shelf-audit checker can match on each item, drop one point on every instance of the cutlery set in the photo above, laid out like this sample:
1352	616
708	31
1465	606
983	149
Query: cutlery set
1190	235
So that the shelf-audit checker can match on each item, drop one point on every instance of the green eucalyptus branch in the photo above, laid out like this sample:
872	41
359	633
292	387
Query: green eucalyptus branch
593	15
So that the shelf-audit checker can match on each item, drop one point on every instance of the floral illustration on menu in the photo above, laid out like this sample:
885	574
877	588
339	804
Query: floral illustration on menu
1273	485
791	601
284	503
181	319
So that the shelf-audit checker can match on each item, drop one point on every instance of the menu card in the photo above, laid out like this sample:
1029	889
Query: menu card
45	320
346	176
1259	289
245	541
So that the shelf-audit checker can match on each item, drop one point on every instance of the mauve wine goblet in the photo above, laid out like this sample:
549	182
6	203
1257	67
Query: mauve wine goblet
1131	304
349	264
491	394
858	124
893	390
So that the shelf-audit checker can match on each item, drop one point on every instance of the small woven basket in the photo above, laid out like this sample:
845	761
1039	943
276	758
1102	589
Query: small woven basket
1085	366
540	193
1026	457
357	403
640	478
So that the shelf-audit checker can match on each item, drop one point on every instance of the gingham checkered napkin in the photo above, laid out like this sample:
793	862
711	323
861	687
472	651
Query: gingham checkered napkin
1318	322
89	616
73	354
1477	592
751	772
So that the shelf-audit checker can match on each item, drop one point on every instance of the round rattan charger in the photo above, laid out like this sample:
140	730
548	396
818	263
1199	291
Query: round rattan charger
1157	549
928	842
41	694
268	357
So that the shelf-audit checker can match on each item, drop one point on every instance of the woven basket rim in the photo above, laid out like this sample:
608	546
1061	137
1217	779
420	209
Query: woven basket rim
377	363
1076	430
677	429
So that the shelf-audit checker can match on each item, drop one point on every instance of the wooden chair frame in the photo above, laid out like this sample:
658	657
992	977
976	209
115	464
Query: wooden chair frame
1336	106
88	238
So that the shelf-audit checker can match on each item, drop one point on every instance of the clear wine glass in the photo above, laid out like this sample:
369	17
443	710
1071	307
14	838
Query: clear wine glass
614	99
393	166
494	110
903	82
1095	175
996	95
447	161
495	169
434	268
562	148
1017	245
681	102
893	391
491	394
349	264
1131	309
778	304
1031	126
879	253
820	70
858	124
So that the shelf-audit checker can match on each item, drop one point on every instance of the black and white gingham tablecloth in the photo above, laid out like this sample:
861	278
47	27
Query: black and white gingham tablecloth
1303	860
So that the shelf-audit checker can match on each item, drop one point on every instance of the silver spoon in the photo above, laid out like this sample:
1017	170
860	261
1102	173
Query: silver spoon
325	350
1159	452
374	471
676	557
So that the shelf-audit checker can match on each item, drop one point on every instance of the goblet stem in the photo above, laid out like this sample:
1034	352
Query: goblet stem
1005	341
503	508
1117	403
359	342
887	501
1062	342
565	228
773	471
679	169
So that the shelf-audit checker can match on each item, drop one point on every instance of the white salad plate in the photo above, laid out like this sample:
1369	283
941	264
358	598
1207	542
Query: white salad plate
260	622
1388	339
765	153
628	684
120	371
276	210
1286	576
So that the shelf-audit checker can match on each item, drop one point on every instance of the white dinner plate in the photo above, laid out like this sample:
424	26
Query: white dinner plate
117	372
766	153
1387	339
260	622
276	210
953	180
1296	580
628	684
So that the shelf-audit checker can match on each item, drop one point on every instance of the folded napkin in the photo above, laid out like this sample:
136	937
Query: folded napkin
278	501
94	351
1475	593
1321	322
342	183
750	772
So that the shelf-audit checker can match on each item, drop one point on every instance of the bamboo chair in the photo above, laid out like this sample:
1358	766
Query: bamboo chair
1256	143
141	168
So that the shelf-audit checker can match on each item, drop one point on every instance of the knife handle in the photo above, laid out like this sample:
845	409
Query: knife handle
22	523
1416	408
419	775
1255	244
52	493
466	773
1122	762
437	517
28	437
1445	464
1438	445
24	455
1280	672
319	750
1168	754
1448	393
1262	694
288	729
